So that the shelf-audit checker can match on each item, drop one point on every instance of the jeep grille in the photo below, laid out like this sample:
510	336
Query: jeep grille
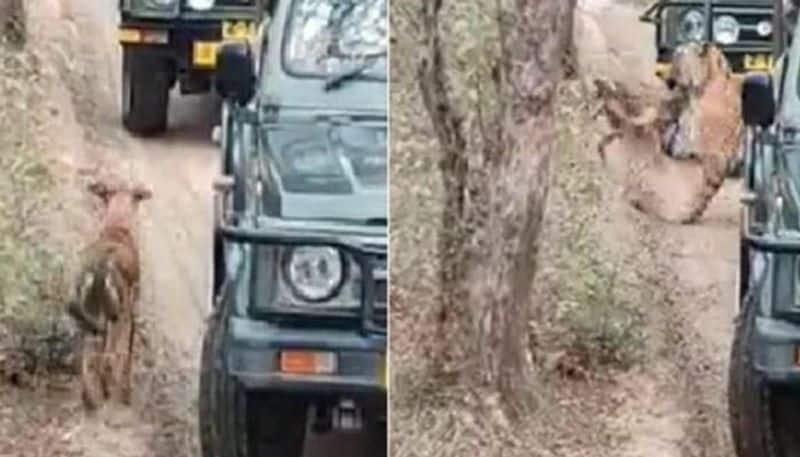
748	20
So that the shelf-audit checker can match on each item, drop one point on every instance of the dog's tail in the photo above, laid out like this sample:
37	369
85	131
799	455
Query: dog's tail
95	296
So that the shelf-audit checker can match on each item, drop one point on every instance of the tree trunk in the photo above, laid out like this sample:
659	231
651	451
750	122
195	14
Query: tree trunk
495	195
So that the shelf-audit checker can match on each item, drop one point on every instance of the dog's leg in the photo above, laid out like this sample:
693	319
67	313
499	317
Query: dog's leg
114	359
120	350
127	390
110	381
91	373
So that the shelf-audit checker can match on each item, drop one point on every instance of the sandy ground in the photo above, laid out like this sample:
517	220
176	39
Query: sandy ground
175	241
665	403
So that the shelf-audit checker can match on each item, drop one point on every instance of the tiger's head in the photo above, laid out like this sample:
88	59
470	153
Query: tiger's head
694	65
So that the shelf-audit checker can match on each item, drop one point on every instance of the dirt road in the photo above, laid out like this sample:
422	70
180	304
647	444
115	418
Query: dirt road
676	408
178	167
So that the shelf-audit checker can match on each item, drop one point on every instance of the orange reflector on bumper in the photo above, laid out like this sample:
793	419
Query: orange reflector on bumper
308	362
143	36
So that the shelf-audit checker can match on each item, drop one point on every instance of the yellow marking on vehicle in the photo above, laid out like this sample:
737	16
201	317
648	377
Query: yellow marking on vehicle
385	373
758	62
129	35
204	54
662	69
238	30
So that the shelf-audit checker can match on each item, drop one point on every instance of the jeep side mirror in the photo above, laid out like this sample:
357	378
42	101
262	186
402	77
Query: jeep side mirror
758	100
235	72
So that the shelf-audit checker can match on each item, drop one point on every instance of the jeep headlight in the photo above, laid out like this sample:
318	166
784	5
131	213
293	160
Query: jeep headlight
764	28
314	274
726	30
691	26
200	5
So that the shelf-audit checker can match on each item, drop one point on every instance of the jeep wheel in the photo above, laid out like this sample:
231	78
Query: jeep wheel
761	415
251	426
146	81
207	407
376	440
277	426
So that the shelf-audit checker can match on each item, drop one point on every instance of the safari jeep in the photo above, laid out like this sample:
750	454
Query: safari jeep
169	41
296	338
743	29
764	377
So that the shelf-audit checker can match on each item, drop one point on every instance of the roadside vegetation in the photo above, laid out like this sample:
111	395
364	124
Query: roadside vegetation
33	335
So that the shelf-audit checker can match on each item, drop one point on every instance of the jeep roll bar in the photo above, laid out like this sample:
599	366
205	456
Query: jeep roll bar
779	32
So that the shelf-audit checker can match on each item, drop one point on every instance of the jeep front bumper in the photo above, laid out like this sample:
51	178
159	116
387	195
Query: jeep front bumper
741	63
776	346
254	358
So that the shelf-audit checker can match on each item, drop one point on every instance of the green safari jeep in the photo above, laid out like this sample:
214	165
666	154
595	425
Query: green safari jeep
764	370
297	337
169	41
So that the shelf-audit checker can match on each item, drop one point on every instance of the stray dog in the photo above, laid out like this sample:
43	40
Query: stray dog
106	293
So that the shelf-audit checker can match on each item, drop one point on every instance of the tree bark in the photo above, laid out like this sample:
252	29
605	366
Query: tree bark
495	197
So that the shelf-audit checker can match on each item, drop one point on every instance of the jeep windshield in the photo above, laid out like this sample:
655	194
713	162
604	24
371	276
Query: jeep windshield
329	159
326	38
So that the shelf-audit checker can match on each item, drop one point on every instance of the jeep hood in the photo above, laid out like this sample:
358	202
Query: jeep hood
327	172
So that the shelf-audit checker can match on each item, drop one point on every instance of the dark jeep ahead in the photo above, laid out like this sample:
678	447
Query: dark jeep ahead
164	41
743	29
296	341
764	378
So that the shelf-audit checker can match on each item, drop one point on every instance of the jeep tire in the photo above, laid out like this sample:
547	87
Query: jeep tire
234	422
146	82
278	425
376	440
761	415
207	408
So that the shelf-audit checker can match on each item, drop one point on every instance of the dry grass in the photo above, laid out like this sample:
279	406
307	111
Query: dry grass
33	335
592	323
